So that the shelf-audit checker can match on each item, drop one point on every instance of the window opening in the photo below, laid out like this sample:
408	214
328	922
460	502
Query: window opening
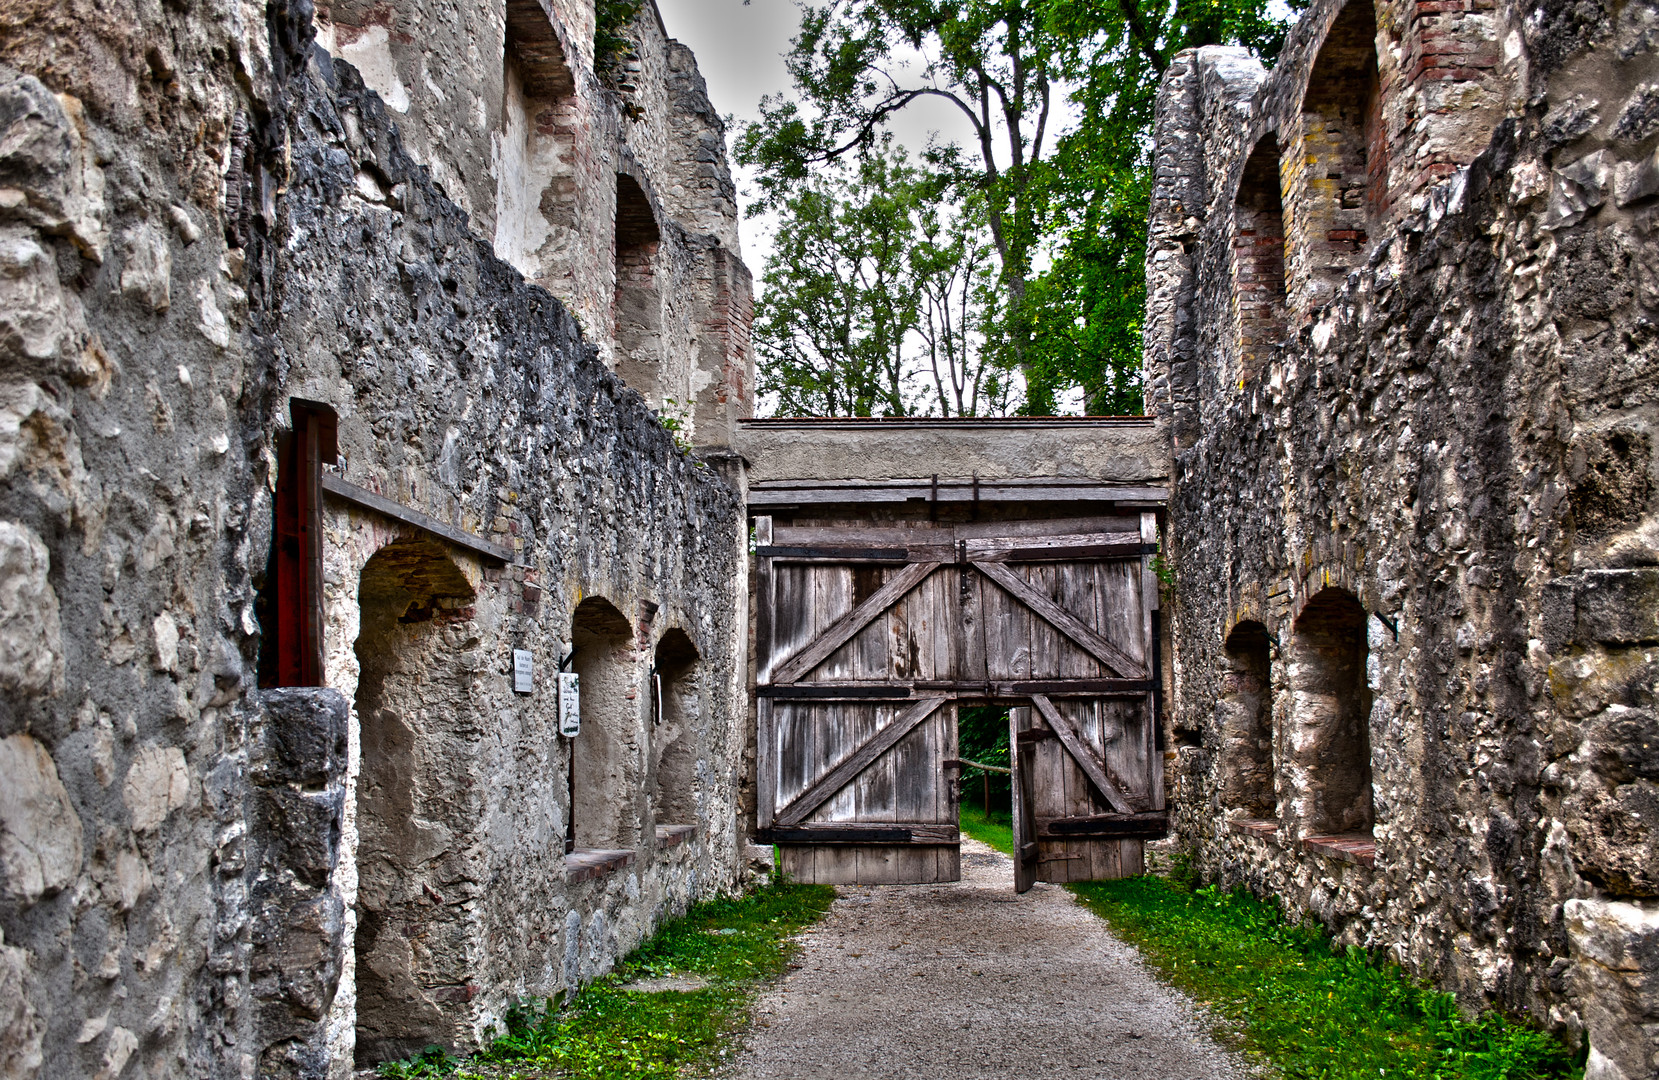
638	305
677	731
1345	170
1332	714
1259	258
535	178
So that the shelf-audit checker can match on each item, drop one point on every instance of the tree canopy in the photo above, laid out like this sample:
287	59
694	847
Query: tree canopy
1063	206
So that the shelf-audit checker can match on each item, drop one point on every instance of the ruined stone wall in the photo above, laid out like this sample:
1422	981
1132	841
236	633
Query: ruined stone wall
203	217
1454	443
501	100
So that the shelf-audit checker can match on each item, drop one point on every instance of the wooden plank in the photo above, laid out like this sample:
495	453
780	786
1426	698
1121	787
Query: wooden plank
855	620
835	554
1023	830
900	689
1123	545
874	791
1098	647
856	762
793	595
1153	824
861	832
834	592
766	789
1092	768
380	504
771	494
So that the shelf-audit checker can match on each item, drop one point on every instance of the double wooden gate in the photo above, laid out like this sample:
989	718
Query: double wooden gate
870	635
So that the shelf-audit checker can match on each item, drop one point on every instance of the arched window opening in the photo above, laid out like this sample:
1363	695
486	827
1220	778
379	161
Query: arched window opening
604	774
415	806
1246	714
638	305
1332	715
535	180
1259	258
1344	169
676	736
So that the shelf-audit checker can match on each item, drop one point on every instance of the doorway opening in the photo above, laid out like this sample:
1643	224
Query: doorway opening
415	803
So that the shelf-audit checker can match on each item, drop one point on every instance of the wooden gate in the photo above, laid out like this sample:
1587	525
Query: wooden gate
870	635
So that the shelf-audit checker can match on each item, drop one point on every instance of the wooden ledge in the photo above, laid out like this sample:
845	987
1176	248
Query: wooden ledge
1263	827
1359	849
591	863
673	835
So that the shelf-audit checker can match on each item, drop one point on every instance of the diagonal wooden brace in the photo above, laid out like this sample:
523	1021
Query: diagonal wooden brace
842	630
820	790
1092	766
1086	637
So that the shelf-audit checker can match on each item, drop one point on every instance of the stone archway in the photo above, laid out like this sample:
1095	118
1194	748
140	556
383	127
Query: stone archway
417	801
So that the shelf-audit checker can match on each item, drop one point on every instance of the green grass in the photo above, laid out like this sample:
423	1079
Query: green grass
1314	1011
997	830
735	945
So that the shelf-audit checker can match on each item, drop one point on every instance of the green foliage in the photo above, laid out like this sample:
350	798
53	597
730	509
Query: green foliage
1314	1010
982	735
612	48
996	831
610	1032
1076	199
873	298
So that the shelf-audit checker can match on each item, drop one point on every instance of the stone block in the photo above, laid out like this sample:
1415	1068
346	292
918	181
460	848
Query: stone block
40	833
305	736
1618	607
1616	974
31	652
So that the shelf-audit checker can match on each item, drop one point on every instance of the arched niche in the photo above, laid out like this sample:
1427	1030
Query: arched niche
1246	717
1259	258
536	193
605	777
1342	182
1330	740
417	799
677	731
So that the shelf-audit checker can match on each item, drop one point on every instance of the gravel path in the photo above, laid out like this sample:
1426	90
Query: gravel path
967	980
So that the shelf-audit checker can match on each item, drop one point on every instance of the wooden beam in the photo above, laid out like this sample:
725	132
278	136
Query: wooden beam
842	630
1092	767
380	504
860	832
1106	826
1062	620
820	790
900	689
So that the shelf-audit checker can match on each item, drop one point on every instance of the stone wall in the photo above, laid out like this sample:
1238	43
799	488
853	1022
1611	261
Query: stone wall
202	217
1449	440
501	100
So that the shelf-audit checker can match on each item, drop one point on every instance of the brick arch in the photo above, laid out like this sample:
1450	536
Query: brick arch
1337	160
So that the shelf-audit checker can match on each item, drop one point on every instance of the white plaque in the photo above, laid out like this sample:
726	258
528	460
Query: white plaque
570	704
523	671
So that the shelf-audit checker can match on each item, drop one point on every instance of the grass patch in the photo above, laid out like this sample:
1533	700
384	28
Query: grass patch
610	1032
1314	1011
996	830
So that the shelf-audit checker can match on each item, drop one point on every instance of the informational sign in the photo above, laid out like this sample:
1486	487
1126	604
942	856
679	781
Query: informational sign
570	704
523	671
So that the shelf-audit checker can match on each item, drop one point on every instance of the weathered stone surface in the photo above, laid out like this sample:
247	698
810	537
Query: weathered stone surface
40	834
1617	976
202	216
31	657
1453	432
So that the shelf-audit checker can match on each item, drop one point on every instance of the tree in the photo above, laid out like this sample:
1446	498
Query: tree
1079	197
872	300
